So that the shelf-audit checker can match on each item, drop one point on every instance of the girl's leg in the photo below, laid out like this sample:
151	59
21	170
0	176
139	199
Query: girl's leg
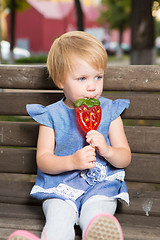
95	206
60	220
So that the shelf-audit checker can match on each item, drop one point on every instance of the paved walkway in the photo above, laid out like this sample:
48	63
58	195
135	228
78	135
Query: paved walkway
126	62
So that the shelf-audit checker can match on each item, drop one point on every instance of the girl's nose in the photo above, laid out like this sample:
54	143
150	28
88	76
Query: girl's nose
91	86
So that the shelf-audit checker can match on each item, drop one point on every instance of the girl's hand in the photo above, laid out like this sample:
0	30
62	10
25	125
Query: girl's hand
119	153
97	140
84	158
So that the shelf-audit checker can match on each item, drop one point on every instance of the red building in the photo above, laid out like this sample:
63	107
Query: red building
39	25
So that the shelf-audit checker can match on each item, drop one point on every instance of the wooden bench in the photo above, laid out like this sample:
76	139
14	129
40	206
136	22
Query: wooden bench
18	136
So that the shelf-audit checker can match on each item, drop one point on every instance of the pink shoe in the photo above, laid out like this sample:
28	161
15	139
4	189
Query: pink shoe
22	235
103	227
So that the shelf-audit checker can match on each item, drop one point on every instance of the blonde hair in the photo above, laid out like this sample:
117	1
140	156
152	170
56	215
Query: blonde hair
80	44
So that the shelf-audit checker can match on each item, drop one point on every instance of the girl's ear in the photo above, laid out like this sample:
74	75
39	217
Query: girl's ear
60	85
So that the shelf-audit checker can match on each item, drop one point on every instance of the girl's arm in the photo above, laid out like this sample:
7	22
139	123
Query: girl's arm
49	163
118	154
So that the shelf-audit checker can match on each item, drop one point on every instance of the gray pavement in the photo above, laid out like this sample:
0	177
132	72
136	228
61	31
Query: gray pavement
127	62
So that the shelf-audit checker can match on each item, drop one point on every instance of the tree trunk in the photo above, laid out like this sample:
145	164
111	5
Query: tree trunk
79	14
119	50
12	31
142	25
0	33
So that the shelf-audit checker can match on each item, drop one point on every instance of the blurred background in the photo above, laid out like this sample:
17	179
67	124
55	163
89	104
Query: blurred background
129	29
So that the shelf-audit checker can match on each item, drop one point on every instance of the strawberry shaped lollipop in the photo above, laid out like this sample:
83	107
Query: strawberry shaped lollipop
88	112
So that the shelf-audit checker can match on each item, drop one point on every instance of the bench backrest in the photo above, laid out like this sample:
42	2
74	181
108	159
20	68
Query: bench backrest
18	133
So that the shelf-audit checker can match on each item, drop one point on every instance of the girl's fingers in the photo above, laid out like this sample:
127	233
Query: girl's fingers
91	165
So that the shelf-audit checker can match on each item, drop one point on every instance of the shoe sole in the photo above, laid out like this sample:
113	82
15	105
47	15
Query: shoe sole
19	238
22	235
104	228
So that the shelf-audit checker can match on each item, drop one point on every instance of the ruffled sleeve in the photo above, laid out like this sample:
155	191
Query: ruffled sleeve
118	106
40	114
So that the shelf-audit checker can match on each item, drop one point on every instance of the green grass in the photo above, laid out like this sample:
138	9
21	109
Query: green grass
32	59
125	57
126	122
141	122
16	119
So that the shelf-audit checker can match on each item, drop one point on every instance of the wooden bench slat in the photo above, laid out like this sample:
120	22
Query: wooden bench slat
141	139
121	78
32	212
21	211
127	221
23	161
22	99
15	192
139	227
131	224
131	232
18	140
137	110
22	77
15	160
19	134
132	78
141	201
34	224
140	168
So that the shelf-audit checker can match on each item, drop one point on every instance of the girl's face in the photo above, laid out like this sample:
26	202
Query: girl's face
83	81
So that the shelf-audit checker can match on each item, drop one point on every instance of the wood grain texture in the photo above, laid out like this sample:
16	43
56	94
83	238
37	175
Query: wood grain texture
134	229
18	192
23	161
25	77
132	78
121	78
18	140
138	108
21	99
14	160
141	139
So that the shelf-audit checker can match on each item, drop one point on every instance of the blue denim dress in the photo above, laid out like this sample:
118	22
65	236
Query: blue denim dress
78	186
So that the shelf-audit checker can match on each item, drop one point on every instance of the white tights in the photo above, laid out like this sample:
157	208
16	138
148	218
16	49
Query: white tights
62	216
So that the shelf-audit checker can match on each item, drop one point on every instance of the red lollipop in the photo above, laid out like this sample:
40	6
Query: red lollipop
88	112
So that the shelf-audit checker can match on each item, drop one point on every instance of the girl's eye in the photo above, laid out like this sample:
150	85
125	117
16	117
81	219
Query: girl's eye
81	78
99	77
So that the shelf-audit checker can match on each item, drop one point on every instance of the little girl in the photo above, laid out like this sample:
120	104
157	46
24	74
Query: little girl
80	176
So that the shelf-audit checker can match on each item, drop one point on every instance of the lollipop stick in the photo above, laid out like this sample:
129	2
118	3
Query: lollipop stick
90	121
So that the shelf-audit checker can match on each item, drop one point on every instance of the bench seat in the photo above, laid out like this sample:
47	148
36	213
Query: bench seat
18	138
